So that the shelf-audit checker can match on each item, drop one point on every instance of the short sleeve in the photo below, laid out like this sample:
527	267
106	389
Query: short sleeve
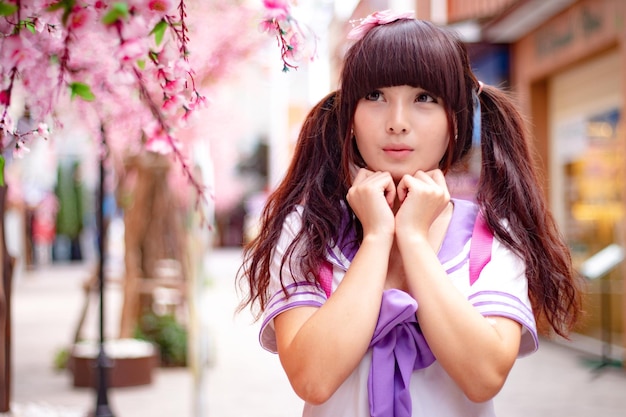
297	292
502	290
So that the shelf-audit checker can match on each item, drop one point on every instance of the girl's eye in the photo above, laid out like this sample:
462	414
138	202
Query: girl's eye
373	96
425	98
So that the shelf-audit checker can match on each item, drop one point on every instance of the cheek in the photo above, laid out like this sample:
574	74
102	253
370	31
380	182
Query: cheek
366	118
359	123
362	127
443	133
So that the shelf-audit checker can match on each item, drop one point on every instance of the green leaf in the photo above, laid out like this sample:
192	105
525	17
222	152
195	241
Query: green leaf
1	171
30	26
159	31
141	63
82	90
56	6
117	12
7	9
66	5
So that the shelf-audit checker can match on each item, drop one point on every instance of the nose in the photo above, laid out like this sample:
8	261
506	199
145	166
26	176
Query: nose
397	120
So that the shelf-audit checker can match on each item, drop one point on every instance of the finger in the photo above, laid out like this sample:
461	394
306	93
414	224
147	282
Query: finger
361	175
403	188
390	192
424	176
437	176
440	180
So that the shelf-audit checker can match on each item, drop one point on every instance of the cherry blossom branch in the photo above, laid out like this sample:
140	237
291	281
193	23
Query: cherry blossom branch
164	130
294	42
74	37
182	34
63	61
285	48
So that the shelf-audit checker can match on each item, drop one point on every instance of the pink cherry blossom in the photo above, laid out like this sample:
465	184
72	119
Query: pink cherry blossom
13	51
20	150
296	44
157	139
5	98
172	104
267	25
159	144
161	6
138	27
40	25
198	102
174	86
8	126
140	89
294	39
277	4
43	130
80	17
132	49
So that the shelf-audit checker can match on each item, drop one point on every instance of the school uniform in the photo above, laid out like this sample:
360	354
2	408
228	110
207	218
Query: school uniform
399	376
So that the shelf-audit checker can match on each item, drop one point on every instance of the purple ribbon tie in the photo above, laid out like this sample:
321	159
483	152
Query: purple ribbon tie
398	348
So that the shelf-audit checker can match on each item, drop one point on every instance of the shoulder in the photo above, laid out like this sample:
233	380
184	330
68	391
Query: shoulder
502	290
288	286
292	225
293	221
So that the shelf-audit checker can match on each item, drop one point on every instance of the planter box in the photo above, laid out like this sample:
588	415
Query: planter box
131	363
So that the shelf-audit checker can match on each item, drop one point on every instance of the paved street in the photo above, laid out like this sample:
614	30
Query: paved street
242	379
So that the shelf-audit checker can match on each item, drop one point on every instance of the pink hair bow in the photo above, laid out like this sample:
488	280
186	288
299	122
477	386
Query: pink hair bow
376	19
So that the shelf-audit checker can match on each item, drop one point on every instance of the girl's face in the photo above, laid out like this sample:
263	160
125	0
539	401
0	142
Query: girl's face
401	130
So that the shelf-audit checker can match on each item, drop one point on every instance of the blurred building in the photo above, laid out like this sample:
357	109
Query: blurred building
567	68
564	60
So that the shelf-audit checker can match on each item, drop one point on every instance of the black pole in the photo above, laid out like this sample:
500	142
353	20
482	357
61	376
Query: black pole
606	321
103	363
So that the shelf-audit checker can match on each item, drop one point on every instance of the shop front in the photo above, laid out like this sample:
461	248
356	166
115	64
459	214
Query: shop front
570	75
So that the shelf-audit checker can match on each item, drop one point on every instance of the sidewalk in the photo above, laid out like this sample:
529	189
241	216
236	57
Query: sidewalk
243	379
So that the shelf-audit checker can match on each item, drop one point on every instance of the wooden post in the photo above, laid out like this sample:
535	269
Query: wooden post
6	271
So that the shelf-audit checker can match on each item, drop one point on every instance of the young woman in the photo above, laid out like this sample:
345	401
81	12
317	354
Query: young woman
362	267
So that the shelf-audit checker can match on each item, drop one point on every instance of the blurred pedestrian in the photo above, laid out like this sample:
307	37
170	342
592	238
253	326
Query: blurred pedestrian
69	220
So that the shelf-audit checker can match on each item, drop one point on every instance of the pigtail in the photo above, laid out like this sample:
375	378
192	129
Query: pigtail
311	178
510	190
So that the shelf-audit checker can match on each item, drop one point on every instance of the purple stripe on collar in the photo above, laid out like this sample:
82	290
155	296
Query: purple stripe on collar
345	241
459	231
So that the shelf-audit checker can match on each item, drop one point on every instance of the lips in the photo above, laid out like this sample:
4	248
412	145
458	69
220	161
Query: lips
397	151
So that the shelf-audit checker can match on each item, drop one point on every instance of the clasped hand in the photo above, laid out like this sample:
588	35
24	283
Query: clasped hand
410	207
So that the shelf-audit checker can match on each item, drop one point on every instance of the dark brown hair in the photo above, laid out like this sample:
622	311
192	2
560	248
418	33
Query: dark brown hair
312	177
419	54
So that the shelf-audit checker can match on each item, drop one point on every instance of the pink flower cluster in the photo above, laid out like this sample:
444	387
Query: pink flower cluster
125	65
128	58
295	41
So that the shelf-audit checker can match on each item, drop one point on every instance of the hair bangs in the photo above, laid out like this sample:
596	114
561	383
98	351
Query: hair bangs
405	52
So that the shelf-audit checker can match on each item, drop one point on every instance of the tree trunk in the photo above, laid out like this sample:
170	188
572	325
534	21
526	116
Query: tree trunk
153	231
6	271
